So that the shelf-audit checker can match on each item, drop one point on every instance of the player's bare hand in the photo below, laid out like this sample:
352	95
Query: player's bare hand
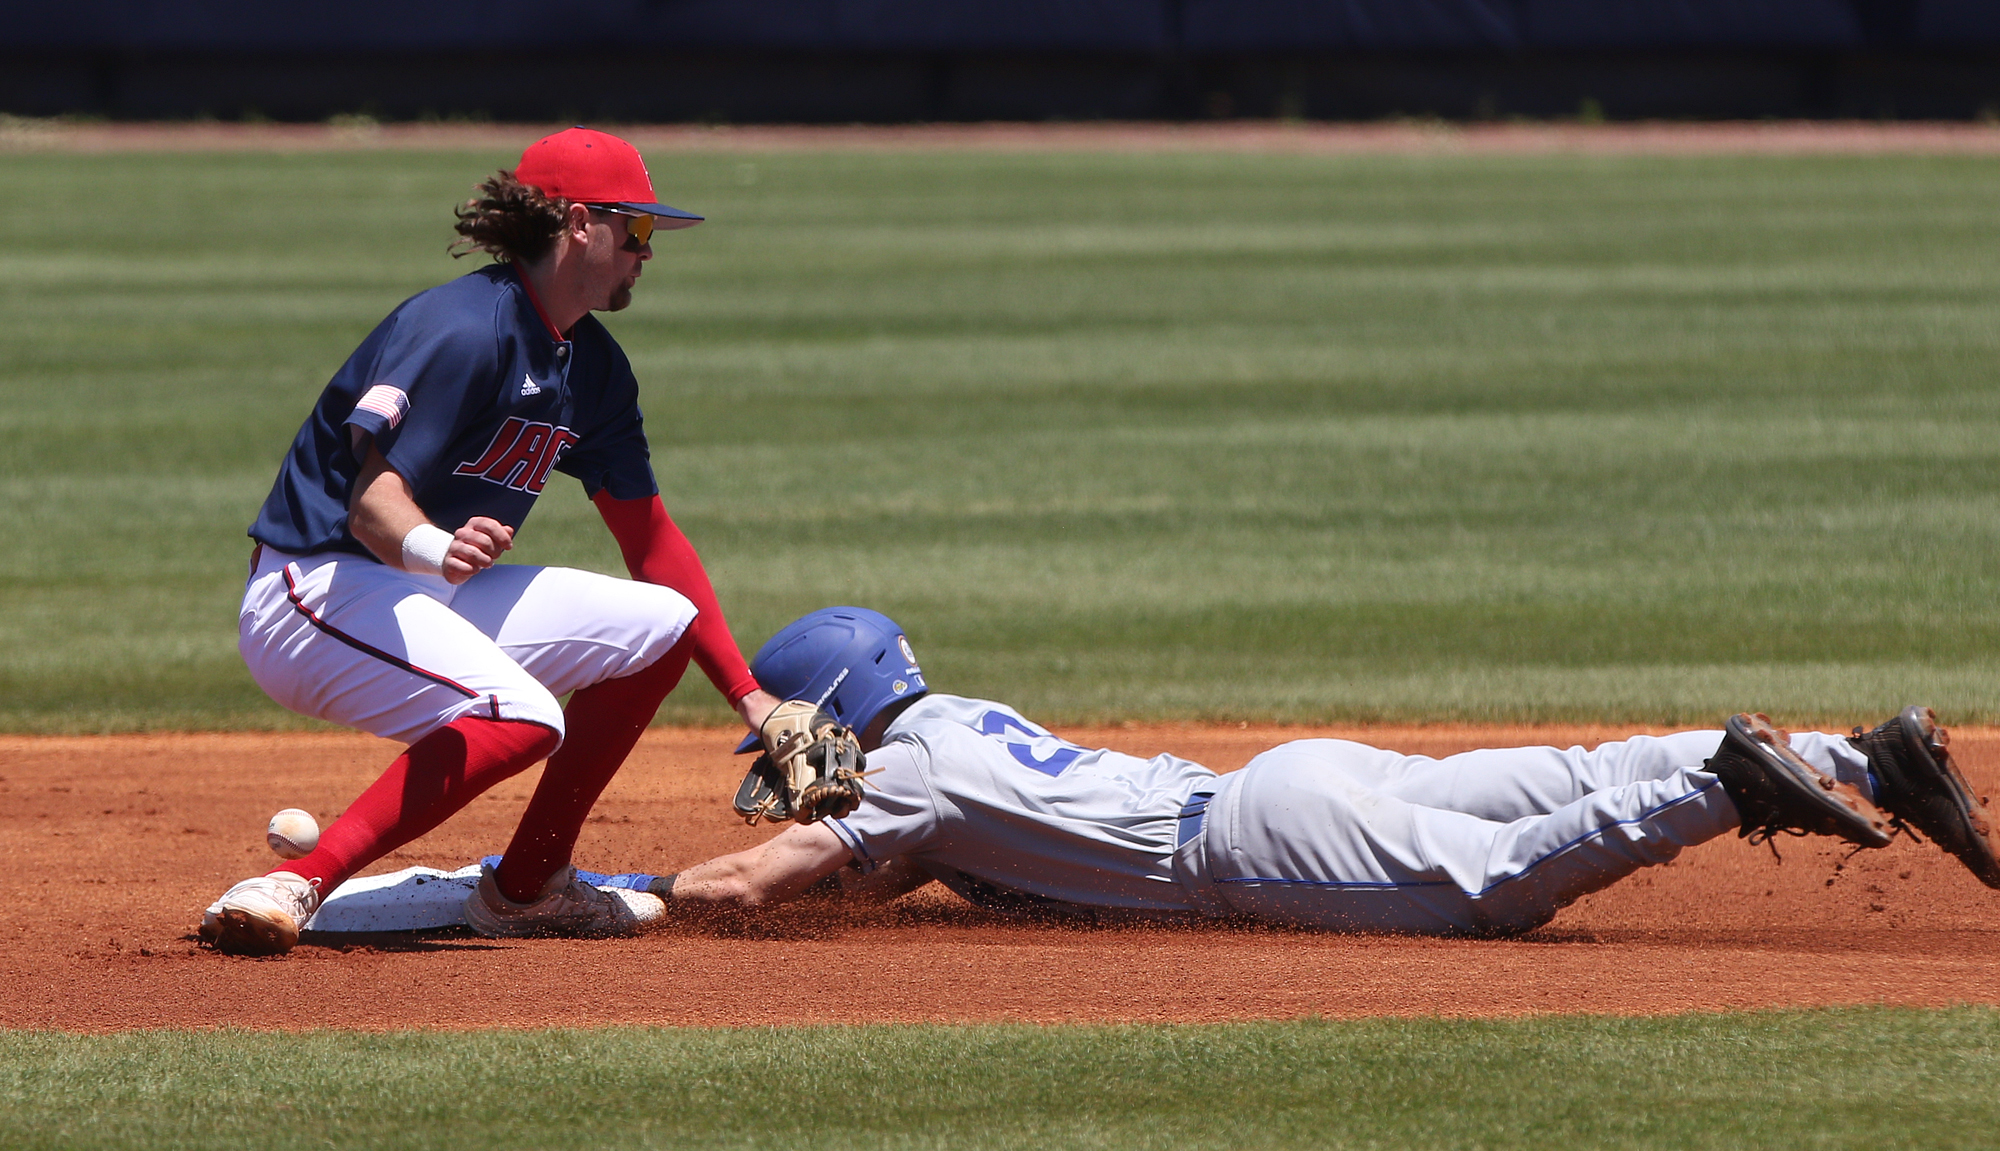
474	547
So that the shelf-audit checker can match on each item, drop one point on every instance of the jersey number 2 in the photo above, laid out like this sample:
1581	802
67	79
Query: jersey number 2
994	723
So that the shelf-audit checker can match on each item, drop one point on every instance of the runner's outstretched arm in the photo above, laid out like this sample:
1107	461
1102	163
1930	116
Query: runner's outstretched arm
780	869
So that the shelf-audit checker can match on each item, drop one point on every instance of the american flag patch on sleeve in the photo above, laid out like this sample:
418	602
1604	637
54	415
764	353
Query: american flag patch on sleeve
387	401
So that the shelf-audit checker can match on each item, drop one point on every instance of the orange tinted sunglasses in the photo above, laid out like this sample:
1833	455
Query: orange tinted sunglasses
638	225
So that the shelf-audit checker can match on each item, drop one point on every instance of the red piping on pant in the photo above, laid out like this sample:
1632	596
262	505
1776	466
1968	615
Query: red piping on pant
292	594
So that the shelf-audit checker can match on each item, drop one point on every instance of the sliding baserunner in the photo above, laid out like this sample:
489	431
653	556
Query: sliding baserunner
1322	833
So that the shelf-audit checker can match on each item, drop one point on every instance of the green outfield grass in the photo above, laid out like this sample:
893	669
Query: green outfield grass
1116	436
1819	1079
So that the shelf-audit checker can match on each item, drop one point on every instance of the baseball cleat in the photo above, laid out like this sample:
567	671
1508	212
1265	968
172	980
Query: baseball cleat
567	907
1776	791
259	916
1920	787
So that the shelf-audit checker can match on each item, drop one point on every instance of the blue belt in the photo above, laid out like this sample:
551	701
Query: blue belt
1193	812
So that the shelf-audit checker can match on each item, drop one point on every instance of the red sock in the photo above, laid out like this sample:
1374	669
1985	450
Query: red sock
436	776
604	721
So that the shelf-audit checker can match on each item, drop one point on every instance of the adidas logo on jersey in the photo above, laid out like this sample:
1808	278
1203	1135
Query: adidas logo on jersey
529	387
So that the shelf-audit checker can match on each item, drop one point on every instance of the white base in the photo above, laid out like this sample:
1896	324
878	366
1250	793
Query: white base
425	899
413	899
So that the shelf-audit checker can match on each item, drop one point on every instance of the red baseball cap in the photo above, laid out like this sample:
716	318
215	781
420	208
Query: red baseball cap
590	167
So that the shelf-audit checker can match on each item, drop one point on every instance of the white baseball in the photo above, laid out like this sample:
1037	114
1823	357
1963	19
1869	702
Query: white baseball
293	833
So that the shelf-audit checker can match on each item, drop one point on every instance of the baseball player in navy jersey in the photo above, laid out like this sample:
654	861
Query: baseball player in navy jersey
1320	833
375	596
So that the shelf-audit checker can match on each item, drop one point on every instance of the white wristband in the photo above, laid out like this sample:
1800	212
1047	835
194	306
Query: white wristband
424	549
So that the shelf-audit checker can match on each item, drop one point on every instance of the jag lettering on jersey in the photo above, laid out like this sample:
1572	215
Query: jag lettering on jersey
520	455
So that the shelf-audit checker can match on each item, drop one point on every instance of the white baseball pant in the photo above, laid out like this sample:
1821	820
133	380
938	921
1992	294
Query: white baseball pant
343	638
1339	835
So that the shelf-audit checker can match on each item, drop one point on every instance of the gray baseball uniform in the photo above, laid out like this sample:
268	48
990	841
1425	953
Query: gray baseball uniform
1006	813
1322	833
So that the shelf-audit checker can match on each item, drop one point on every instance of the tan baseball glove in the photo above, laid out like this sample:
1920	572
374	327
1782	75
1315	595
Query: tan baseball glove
811	768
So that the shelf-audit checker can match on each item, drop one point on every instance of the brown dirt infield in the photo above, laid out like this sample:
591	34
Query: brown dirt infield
113	844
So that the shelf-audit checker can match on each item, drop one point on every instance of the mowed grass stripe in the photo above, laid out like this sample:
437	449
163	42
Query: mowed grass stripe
1115	436
1825	1079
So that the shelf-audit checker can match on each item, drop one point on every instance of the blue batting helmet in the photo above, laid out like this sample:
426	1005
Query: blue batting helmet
850	661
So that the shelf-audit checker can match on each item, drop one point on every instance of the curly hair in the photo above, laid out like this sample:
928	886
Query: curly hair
509	220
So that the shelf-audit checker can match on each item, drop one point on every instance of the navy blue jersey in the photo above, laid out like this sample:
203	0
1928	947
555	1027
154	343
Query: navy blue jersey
475	402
